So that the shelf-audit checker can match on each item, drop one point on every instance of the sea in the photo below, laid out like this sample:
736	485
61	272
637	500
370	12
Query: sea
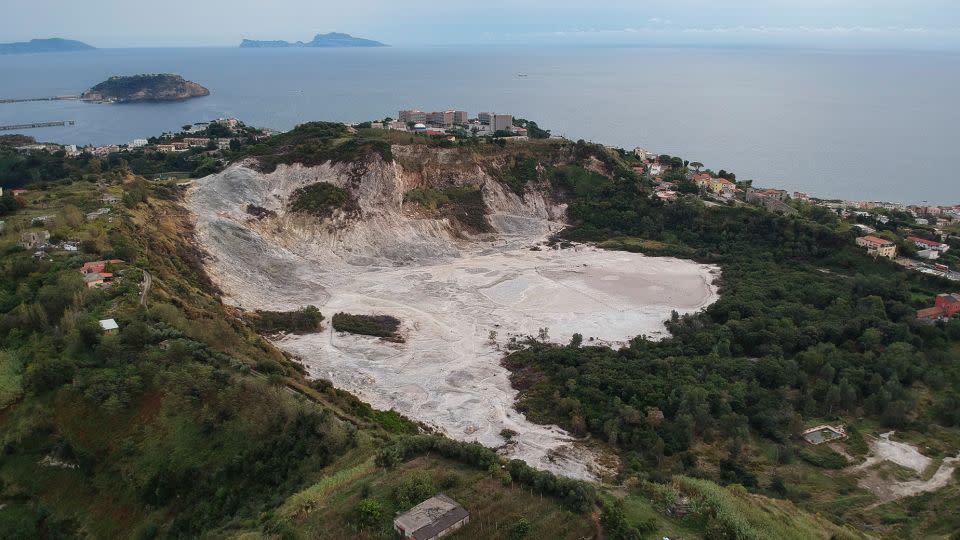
853	124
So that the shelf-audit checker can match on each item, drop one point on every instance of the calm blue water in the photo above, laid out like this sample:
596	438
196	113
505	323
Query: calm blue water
878	125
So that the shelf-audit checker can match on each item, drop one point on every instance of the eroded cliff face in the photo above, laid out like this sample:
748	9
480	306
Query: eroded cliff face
385	232
462	297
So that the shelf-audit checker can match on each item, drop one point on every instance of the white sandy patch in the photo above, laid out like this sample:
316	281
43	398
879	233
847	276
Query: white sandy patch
448	292
901	453
448	374
905	455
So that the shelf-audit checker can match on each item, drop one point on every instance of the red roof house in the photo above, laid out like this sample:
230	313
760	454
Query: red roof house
945	306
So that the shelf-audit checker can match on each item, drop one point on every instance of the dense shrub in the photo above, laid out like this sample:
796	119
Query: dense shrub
579	496
303	320
383	326
320	199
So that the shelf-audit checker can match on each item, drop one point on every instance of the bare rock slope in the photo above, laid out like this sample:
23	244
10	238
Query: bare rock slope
461	297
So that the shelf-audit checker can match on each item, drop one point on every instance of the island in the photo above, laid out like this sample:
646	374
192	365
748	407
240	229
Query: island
328	40
138	88
44	46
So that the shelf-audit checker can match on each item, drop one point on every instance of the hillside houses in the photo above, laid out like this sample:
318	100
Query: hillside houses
771	199
718	186
877	247
945	306
34	239
95	273
923	243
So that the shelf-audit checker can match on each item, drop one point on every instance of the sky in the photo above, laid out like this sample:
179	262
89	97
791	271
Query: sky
894	24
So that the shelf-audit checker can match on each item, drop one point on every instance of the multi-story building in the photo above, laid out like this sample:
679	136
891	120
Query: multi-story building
878	247
137	143
413	115
484	117
643	154
440	118
501	122
923	243
460	117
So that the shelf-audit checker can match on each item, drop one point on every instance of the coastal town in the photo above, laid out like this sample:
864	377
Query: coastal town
916	237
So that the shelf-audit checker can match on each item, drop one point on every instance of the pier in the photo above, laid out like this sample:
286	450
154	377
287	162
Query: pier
54	98
37	125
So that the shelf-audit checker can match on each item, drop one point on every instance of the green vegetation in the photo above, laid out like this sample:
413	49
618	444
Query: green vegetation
165	429
315	143
148	87
11	374
320	199
787	339
733	513
578	496
188	423
42	167
155	404
462	204
521	171
533	130
303	320
383	326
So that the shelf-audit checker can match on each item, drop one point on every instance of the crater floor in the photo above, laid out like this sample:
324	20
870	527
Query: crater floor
447	373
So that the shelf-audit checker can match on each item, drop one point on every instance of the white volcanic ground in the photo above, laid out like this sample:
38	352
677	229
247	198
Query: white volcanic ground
449	292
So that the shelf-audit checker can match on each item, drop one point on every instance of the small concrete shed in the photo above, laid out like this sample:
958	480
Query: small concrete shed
435	517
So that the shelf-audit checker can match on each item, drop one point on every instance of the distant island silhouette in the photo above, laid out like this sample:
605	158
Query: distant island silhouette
330	40
44	46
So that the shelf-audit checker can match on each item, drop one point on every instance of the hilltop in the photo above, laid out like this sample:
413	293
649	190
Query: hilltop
44	46
134	88
331	40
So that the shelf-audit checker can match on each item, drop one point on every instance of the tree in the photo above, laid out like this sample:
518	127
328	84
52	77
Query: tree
615	525
72	216
543	334
368	513
520	529
696	165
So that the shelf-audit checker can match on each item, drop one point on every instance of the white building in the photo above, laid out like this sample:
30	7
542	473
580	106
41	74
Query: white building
137	143
109	326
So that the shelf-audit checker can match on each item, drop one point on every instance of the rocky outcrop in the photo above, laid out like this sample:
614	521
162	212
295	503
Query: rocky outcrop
381	230
136	88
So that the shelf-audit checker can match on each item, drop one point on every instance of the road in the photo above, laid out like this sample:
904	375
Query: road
927	268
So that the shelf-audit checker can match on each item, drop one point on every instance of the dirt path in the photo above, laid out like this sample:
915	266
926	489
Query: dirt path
907	456
147	283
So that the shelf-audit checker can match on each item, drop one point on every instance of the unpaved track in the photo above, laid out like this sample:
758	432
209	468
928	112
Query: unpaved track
905	455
